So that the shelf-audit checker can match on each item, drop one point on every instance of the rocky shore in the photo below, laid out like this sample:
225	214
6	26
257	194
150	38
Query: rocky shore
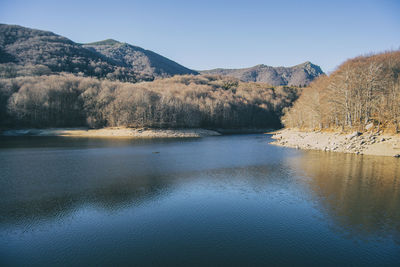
367	143
113	132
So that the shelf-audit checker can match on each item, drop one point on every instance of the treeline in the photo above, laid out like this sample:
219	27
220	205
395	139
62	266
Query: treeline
181	101
363	92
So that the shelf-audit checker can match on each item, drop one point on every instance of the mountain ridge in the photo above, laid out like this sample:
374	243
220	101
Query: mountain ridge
297	75
32	47
138	58
115	60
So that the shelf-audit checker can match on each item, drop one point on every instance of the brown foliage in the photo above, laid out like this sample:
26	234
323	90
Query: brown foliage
362	90
180	101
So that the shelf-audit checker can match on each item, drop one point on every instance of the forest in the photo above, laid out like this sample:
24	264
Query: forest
209	101
363	93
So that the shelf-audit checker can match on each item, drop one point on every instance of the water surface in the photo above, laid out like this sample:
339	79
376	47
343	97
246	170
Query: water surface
227	200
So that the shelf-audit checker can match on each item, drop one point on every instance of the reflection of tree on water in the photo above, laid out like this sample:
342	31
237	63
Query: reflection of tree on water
361	193
113	196
51	183
113	193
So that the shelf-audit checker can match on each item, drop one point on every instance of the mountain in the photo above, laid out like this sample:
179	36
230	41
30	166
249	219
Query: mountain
25	51
139	59
298	75
27	48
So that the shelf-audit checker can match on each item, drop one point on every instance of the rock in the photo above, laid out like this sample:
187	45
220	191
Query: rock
383	139
355	134
397	156
369	126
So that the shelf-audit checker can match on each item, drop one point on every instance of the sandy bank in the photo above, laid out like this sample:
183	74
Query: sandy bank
366	143
113	132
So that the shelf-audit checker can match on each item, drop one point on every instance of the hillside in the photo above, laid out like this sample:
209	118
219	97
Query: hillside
362	94
298	75
138	59
24	50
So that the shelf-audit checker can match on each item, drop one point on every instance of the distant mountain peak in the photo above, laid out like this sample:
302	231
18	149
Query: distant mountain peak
298	75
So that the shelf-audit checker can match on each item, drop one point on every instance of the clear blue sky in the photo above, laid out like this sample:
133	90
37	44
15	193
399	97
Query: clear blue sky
207	34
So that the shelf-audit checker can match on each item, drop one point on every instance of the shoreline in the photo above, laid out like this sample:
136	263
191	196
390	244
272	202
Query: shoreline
367	143
113	132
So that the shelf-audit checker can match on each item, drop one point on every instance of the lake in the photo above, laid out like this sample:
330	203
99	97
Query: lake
226	200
